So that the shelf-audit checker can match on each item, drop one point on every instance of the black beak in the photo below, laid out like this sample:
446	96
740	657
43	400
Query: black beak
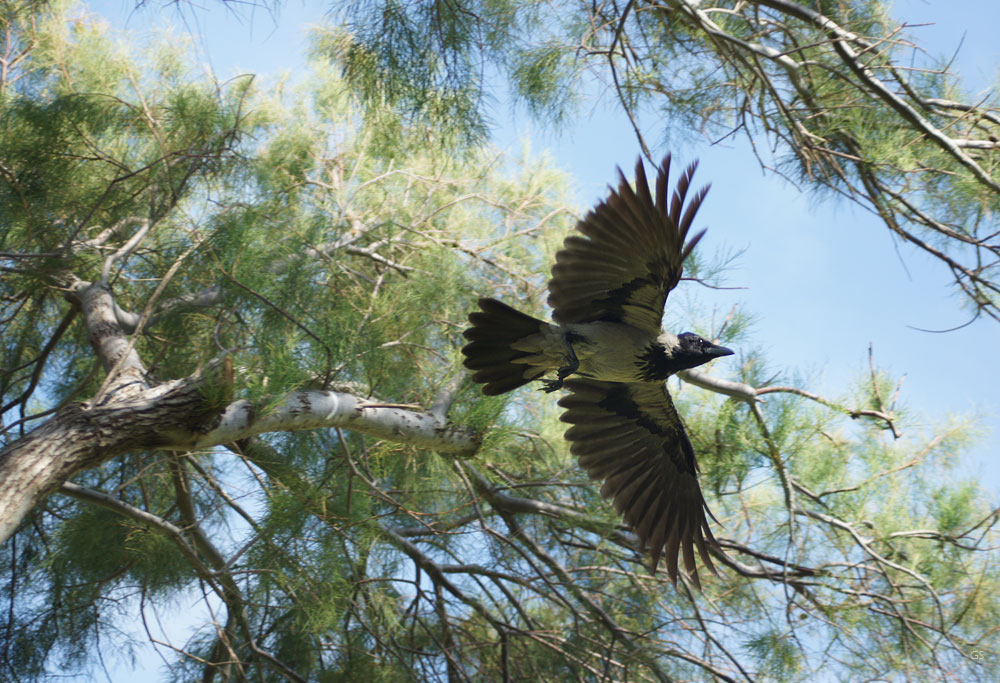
718	351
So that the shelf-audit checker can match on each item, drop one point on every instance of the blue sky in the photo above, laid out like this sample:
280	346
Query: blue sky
823	278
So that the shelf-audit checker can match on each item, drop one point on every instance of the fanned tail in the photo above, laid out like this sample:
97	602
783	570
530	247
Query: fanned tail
490	352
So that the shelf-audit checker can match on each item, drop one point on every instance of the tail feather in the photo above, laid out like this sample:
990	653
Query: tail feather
489	352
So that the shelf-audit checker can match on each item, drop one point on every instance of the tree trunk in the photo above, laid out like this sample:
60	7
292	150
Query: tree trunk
81	436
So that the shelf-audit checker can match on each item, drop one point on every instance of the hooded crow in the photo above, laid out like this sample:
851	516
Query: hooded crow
606	346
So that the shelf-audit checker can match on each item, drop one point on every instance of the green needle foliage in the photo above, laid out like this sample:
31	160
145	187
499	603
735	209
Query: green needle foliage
832	94
276	247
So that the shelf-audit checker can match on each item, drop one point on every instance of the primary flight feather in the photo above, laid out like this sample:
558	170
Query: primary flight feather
608	288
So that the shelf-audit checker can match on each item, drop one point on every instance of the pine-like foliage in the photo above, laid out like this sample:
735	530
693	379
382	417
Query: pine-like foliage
834	94
273	248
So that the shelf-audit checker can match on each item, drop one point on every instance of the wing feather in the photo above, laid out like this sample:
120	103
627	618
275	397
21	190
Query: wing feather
631	437
629	253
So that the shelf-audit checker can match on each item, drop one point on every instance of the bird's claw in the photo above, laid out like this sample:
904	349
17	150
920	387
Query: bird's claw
572	365
550	385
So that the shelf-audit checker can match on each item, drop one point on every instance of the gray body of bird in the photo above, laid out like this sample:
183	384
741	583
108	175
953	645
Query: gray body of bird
590	341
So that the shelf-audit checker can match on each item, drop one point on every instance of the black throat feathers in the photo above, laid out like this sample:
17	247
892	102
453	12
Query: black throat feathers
654	364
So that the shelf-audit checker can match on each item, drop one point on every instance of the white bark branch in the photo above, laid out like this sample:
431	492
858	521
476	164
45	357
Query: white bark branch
314	409
738	390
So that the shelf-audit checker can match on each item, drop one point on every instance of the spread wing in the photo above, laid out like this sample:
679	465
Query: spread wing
630	436
629	256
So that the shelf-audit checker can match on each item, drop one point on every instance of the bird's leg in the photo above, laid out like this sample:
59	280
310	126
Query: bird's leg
572	365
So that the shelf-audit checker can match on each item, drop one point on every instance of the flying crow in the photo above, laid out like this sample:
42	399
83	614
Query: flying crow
606	346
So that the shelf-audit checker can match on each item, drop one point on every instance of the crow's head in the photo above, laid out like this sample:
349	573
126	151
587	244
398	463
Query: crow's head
692	351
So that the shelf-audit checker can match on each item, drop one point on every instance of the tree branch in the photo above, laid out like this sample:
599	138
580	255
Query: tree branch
313	409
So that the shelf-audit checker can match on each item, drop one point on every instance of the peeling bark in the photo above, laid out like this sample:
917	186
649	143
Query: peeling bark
85	435
174	416
316	409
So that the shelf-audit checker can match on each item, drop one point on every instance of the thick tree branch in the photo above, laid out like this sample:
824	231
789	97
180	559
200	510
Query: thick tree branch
738	390
313	409
84	435
106	336
170	417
